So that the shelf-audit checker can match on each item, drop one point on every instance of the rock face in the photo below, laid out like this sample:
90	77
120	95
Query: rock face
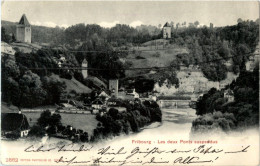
193	82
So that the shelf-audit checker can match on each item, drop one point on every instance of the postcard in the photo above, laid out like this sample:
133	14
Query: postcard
130	83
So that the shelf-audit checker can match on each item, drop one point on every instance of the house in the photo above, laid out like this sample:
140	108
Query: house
229	95
116	104
14	125
23	30
62	58
222	85
97	104
104	95
132	92
167	28
153	97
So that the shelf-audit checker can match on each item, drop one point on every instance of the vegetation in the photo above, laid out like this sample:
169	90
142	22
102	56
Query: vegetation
24	88
21	82
243	112
206	45
137	115
51	124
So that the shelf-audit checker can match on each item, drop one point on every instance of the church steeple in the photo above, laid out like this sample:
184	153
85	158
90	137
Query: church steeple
24	21
23	30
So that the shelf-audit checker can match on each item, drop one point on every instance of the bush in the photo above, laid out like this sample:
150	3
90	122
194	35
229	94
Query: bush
217	120
37	131
156	55
139	57
138	115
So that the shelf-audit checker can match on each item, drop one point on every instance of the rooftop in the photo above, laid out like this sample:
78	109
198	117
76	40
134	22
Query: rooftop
24	21
167	25
13	121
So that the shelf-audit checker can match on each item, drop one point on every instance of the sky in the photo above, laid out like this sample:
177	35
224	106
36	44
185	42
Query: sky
134	13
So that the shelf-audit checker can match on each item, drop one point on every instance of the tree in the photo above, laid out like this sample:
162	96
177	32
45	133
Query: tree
54	88
4	37
32	93
257	21
44	119
53	122
177	25
239	20
196	23
172	24
37	131
159	26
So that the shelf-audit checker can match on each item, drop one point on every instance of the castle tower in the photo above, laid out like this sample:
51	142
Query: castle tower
84	65
211	25
167	31
113	87
23	30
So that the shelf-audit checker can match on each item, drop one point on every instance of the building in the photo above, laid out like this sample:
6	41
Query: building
229	95
211	25
167	29
253	60
97	104
113	87
84	71
14	125
132	92
104	95
23	30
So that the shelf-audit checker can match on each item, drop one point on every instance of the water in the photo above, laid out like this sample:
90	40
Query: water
176	123
167	135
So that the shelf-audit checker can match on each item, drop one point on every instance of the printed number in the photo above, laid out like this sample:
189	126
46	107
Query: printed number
11	159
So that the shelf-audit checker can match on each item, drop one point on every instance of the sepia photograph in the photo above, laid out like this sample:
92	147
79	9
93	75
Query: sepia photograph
129	83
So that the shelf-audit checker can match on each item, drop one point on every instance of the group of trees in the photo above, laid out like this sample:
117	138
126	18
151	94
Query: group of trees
216	46
23	87
28	79
242	113
51	124
5	37
136	116
120	34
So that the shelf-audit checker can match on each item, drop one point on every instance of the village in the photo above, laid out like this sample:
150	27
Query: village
108	96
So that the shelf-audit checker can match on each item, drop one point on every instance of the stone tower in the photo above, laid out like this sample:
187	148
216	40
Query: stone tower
85	71
23	30
113	87
167	29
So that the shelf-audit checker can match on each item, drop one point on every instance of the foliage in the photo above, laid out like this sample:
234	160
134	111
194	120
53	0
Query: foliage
137	115
32	93
5	37
54	89
40	34
244	109
213	121
103	57
37	131
51	121
143	85
209	45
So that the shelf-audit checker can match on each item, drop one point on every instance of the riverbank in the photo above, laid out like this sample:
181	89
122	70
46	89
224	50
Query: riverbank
169	134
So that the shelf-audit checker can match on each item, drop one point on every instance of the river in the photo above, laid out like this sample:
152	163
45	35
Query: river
174	132
176	123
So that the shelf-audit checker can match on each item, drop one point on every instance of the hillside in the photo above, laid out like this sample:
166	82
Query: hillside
40	34
149	56
73	85
193	82
8	108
